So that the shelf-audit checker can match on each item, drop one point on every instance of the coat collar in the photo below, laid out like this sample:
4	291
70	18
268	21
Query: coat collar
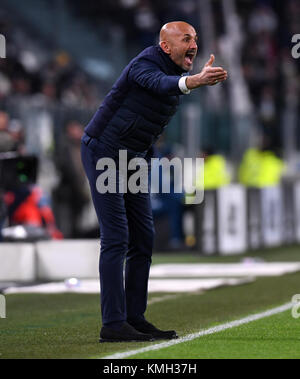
178	70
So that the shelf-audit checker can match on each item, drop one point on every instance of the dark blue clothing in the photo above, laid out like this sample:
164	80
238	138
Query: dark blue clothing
126	228
131	117
141	103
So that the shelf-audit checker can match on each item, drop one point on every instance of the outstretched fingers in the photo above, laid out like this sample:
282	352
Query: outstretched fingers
214	75
211	61
217	75
215	81
214	69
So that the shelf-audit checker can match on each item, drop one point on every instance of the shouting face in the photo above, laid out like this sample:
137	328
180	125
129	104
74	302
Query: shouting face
179	40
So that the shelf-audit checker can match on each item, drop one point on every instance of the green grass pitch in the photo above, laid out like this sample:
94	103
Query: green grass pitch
68	325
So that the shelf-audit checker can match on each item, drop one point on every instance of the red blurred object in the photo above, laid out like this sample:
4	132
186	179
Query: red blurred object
28	206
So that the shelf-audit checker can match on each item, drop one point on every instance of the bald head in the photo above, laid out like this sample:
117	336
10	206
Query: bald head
178	40
175	28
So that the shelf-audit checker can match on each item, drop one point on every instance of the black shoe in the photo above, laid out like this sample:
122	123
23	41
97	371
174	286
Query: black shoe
146	327
125	334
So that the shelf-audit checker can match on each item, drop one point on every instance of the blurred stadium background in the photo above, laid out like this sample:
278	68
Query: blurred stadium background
61	59
62	56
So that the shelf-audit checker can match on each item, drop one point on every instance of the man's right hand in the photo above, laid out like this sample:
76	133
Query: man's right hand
209	76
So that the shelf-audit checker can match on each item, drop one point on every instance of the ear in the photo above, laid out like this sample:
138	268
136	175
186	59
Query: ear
164	45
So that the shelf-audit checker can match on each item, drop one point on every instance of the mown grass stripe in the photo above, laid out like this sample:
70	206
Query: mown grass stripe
201	333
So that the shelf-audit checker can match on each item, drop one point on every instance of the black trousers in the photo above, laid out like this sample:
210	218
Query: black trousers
127	234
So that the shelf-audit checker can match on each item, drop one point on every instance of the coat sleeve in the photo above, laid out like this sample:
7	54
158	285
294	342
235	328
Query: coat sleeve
147	74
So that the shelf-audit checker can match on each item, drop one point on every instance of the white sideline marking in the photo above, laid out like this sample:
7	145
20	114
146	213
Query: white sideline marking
204	332
206	270
159	299
154	286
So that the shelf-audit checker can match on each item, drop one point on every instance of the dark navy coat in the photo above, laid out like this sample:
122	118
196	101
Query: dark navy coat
140	104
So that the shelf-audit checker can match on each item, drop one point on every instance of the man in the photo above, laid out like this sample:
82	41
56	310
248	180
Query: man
72	192
132	117
7	142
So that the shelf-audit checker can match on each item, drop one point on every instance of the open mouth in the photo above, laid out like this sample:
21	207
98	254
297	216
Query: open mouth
189	57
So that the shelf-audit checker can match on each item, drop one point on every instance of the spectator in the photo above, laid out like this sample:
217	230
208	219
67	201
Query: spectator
262	19
28	206
7	141
169	205
72	193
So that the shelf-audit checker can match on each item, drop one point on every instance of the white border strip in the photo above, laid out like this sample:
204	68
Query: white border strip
202	333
